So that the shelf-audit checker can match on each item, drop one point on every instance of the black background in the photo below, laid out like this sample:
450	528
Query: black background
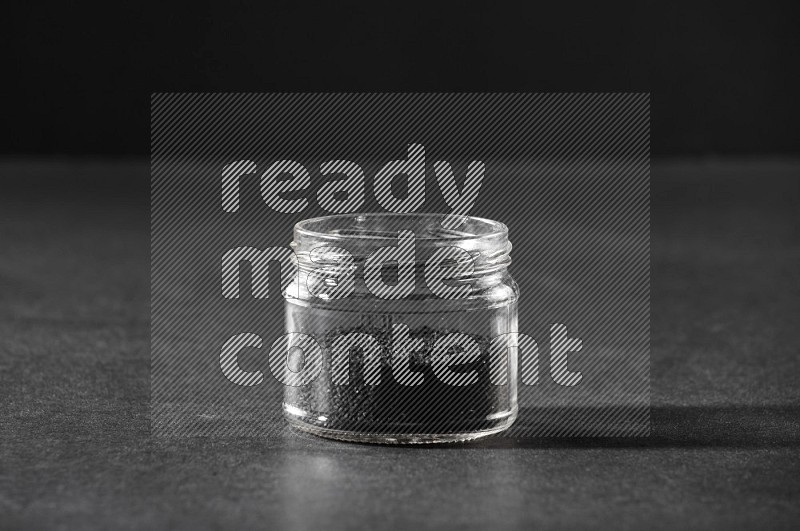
723	75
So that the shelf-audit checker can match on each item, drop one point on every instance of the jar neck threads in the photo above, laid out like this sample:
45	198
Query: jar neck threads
347	243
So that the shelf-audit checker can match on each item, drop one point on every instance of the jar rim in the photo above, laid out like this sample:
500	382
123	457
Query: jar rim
366	226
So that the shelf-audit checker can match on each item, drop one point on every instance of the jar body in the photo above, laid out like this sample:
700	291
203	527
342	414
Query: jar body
417	369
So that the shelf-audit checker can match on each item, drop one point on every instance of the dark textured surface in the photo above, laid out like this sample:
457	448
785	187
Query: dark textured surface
75	449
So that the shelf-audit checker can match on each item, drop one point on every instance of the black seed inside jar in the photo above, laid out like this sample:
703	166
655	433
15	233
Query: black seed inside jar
431	406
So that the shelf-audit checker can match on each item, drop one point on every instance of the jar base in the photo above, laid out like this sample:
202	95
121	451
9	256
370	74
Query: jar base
398	438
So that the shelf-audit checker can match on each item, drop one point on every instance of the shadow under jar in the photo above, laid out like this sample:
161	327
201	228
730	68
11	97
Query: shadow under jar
414	318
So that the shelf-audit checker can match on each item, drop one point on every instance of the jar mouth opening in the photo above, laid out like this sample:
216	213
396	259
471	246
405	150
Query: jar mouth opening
385	226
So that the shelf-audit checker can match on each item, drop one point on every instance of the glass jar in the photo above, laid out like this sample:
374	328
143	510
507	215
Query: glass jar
411	321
